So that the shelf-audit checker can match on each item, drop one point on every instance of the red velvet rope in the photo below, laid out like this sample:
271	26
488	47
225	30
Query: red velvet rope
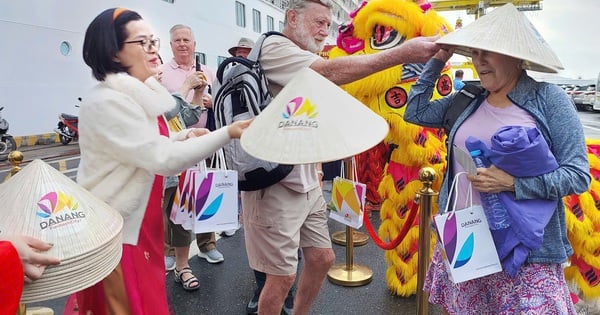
395	242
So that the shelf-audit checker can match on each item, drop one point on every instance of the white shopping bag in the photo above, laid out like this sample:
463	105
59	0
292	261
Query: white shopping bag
348	199
183	202
466	240
216	198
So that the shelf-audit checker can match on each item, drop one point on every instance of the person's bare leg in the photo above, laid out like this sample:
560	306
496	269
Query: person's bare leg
182	256
317	262
274	293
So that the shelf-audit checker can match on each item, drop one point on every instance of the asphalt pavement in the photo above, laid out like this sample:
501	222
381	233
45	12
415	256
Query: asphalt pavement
227	287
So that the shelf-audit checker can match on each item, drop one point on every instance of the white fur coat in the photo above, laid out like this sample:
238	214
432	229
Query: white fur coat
122	150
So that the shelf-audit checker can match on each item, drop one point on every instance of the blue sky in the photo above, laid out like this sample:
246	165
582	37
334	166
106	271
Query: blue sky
571	28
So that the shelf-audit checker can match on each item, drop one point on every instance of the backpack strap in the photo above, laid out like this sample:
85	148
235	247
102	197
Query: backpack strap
231	60
250	60
461	100
255	52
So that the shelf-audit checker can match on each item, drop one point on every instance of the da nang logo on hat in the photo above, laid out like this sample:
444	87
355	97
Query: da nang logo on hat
299	113
312	120
57	209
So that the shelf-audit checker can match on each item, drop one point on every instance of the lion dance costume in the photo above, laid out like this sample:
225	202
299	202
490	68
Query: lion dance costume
390	169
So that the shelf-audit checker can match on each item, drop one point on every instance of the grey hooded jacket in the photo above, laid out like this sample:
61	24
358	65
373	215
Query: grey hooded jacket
555	117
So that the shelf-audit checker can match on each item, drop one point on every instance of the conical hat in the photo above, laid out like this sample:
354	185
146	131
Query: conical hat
506	31
312	120
41	202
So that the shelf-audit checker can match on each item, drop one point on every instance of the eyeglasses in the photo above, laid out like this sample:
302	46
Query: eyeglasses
146	44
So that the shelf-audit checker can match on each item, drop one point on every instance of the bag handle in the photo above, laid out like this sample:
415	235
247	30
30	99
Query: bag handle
218	160
454	188
354	172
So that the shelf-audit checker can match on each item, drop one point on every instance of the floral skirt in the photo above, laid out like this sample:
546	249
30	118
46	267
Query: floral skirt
537	289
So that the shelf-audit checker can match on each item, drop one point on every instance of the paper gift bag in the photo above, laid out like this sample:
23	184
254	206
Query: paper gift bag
466	240
348	199
183	201
216	198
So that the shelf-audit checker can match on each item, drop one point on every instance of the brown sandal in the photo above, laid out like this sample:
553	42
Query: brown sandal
191	283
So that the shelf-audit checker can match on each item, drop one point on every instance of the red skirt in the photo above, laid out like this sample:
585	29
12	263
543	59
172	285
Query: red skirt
137	285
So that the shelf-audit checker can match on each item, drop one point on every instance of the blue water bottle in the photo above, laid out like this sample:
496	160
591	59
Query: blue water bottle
494	209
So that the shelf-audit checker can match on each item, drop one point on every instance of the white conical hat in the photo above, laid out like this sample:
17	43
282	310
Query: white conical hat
312	120
506	31
41	202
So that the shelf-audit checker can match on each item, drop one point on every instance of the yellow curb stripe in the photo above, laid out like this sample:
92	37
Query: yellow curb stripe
33	140
62	166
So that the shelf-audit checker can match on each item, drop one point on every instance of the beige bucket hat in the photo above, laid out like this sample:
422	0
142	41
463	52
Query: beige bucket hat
312	120
242	43
41	202
506	31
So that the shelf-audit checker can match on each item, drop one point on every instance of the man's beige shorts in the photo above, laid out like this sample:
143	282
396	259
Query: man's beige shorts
277	221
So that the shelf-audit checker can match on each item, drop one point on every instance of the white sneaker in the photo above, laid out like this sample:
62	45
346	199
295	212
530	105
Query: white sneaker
229	232
170	263
213	256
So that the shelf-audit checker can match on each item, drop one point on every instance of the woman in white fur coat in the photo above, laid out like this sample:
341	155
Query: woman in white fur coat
126	150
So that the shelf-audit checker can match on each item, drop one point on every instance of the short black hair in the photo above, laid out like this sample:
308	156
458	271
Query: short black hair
104	38
458	73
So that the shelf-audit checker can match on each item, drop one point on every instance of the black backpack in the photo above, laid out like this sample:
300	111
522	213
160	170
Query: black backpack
242	93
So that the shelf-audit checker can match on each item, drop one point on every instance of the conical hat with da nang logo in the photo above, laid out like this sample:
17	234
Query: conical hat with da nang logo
505	31
312	120
41	202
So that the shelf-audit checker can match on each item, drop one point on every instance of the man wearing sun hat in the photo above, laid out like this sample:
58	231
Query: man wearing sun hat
292	213
243	47
503	45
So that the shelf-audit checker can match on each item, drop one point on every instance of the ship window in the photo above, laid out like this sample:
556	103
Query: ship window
169	1
240	14
256	21
202	57
270	23
65	48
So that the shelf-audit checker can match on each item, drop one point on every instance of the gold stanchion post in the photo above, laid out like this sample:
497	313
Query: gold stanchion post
424	196
15	158
350	274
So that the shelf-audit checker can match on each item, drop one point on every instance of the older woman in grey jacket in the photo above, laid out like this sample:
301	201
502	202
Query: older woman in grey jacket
511	97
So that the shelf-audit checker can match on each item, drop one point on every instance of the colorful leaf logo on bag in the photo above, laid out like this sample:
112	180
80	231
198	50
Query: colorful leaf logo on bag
203	192
184	198
191	201
348	192
450	236
206	212
212	208
466	251
54	202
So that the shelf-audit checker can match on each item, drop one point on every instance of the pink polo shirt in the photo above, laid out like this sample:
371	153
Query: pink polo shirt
174	75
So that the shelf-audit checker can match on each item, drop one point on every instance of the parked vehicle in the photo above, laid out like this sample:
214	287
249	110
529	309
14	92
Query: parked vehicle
588	97
67	127
7	142
577	96
596	101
